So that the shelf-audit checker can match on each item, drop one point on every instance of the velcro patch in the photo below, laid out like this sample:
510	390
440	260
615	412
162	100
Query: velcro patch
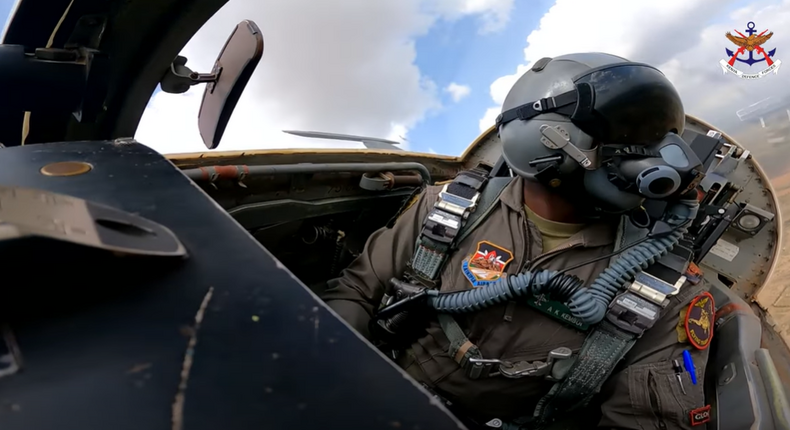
486	264
681	327
700	416
698	321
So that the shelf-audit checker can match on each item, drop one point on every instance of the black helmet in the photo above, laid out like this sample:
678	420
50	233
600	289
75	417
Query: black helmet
561	112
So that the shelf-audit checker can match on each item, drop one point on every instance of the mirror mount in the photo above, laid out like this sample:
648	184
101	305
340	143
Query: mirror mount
179	78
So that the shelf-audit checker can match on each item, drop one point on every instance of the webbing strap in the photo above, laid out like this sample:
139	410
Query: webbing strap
602	350
428	258
530	110
456	202
461	348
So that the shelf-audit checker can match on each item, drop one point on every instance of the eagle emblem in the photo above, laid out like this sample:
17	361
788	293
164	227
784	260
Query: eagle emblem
751	44
699	321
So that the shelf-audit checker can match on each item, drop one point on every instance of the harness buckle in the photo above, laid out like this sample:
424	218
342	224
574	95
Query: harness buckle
518	369
477	367
536	368
632	313
654	289
454	204
545	103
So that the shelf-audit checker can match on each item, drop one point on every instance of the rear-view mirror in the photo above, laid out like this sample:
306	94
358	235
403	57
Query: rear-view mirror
231	72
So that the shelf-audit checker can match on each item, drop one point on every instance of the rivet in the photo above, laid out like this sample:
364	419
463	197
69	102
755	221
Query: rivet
66	168
555	182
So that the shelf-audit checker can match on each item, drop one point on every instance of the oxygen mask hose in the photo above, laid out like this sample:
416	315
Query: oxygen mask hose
587	304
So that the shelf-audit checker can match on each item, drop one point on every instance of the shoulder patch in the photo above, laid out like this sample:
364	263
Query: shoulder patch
486	264
698	321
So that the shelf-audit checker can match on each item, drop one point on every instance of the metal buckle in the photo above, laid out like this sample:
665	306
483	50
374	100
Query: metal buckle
476	366
544	104
454	204
519	369
654	289
632	313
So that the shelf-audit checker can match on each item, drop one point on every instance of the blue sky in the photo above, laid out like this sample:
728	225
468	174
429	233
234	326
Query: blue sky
456	52
5	9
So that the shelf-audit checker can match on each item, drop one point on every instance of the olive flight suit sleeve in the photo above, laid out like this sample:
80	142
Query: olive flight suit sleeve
644	393
361	286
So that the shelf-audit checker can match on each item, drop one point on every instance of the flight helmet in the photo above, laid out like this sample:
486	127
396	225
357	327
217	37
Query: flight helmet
566	121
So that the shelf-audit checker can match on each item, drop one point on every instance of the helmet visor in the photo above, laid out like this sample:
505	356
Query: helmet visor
630	103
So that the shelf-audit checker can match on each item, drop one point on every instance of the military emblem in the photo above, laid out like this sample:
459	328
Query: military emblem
698	321
487	264
751	44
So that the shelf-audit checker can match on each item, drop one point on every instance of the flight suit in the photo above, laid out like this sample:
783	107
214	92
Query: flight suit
642	392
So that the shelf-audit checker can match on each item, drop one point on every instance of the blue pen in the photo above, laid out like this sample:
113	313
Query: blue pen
688	363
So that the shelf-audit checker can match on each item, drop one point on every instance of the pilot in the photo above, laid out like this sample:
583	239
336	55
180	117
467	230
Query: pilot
553	214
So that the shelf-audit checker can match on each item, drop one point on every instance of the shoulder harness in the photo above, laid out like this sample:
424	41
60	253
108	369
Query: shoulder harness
463	205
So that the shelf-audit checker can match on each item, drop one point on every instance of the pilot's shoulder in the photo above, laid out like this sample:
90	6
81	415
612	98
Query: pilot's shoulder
429	195
432	192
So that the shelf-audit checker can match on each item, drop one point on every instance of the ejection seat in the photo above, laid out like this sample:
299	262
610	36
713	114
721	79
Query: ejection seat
742	384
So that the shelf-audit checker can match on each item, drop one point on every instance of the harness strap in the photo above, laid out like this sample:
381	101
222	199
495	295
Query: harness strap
600	353
463	205
461	348
437	239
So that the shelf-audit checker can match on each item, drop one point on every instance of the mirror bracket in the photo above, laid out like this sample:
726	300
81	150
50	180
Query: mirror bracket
179	78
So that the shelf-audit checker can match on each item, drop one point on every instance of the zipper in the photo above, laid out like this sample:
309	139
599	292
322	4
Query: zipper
651	383
525	253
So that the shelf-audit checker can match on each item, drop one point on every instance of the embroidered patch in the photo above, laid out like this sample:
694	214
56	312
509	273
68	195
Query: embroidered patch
700	416
698	321
487	263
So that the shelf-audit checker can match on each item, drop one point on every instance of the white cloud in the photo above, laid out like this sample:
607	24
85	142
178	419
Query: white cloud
457	91
494	14
344	66
674	35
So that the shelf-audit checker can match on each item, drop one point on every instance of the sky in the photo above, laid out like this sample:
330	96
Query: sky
432	74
